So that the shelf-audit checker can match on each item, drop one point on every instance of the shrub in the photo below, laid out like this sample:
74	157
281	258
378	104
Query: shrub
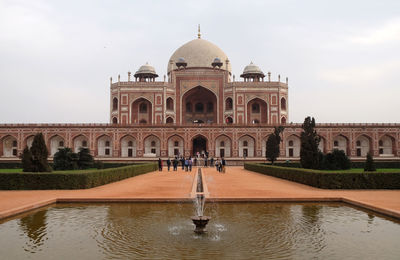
65	159
329	180
26	159
336	160
72	179
273	142
85	159
369	164
38	153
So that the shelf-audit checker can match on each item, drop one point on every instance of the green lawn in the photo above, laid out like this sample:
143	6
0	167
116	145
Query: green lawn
71	171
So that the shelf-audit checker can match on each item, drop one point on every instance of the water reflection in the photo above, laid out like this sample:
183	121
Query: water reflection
165	231
34	227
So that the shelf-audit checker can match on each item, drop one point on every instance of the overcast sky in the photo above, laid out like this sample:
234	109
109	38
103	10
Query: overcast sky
342	57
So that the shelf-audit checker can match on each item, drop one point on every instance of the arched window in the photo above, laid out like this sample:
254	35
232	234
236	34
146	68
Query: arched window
115	104
130	143
380	143
153	143
61	144
245	143
115	120
283	120
176	143
335	143
210	107
358	143
14	143
199	107
84	143
229	120
228	104
170	120
255	108
107	143
290	143
222	143
189	107
283	104
170	104
143	108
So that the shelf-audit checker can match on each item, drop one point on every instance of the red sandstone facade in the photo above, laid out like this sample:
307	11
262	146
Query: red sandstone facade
200	108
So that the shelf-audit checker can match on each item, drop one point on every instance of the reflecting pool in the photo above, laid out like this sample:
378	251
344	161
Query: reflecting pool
165	231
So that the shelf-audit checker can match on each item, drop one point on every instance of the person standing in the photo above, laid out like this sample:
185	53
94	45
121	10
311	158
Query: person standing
183	163
217	164
175	163
212	161
186	165
223	164
168	163
190	164
160	164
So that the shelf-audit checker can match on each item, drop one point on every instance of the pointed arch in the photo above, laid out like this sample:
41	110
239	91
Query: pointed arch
246	146
152	146
292	144
341	142
55	143
223	146
387	145
104	146
9	146
128	146
141	111
80	141
363	145
175	145
257	111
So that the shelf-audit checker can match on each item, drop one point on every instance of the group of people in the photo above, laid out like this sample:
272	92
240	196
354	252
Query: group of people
187	163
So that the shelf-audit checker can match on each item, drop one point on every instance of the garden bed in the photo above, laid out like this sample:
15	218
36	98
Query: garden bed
69	180
338	179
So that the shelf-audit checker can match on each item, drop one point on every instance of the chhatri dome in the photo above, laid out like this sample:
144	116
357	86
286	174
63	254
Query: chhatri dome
198	53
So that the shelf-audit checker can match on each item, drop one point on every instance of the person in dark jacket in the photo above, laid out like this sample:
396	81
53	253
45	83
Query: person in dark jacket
168	163
159	164
183	162
223	164
175	163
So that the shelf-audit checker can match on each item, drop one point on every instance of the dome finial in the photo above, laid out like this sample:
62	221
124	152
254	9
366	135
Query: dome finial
199	34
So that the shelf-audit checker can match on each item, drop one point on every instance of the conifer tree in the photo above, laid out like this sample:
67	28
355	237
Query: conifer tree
369	164
309	157
39	154
26	158
65	159
273	142
85	159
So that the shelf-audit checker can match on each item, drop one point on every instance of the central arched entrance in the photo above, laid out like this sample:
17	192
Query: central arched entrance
199	105
199	145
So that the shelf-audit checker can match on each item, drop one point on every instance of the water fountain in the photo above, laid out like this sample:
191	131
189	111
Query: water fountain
200	221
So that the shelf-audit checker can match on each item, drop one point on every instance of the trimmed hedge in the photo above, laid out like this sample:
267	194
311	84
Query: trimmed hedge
358	164
97	164
329	180
71	180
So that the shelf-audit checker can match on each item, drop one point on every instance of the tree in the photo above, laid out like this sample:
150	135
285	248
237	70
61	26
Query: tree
39	154
272	151
85	159
309	157
369	164
336	160
65	159
26	158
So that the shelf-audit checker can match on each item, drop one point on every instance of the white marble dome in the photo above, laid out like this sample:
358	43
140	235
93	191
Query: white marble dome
146	69
252	69
198	53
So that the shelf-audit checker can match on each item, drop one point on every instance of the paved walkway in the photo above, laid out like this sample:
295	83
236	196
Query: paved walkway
235	185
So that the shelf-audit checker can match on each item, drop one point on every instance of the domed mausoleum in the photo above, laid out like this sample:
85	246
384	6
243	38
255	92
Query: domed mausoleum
199	108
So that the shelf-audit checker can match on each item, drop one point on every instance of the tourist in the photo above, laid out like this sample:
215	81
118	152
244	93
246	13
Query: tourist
190	164
212	161
183	162
159	164
168	163
223	163
186	165
217	164
195	161
175	163
205	161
